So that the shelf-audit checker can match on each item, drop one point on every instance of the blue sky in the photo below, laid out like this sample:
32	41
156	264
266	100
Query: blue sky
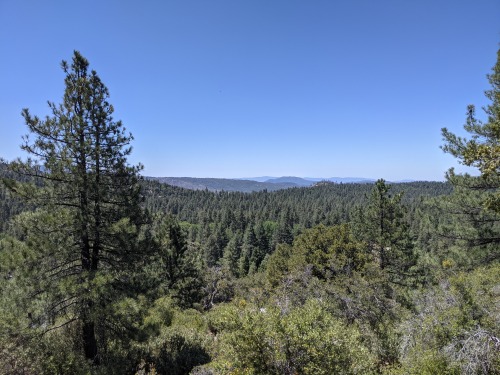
233	88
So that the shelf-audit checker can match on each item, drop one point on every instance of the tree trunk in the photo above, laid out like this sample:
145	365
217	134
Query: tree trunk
89	341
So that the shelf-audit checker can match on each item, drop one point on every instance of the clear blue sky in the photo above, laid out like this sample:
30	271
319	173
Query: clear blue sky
234	88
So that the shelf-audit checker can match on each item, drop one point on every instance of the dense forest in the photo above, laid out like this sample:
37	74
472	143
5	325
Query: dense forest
103	271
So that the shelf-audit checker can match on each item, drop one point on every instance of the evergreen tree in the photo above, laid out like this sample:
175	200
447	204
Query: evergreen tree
384	229
284	232
175	266
466	232
88	223
248	249
476	200
482	149
232	253
214	247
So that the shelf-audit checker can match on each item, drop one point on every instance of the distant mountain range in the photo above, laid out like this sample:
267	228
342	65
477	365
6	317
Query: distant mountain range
254	183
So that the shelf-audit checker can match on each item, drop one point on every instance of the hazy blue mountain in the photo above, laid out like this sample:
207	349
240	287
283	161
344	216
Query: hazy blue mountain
258	179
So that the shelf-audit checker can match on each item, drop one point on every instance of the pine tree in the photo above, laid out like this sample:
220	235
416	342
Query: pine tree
482	150
232	253
89	218
284	231
175	266
476	200
248	248
384	229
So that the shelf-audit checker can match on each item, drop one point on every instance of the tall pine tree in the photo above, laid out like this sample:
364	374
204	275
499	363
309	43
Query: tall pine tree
476	200
482	149
383	227
86	229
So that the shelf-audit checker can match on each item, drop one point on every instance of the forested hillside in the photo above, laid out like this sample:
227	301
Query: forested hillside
222	184
251	184
104	272
214	220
